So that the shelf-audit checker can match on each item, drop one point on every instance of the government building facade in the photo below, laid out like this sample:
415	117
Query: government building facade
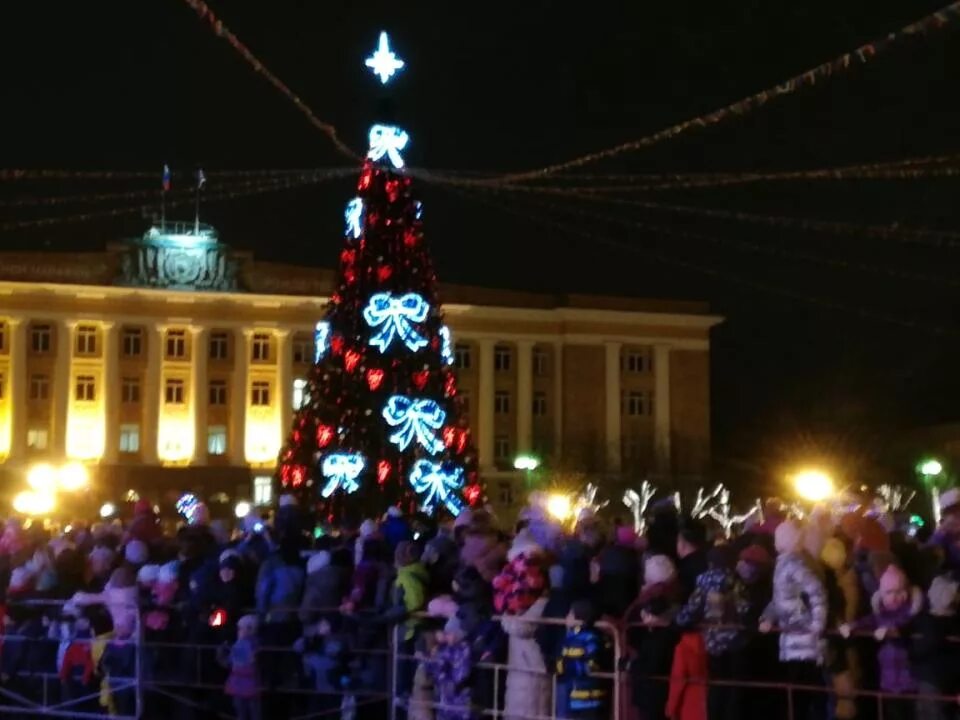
171	363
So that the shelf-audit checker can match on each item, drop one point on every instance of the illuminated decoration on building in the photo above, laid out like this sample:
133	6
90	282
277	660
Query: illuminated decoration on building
394	317
437	486
341	471
446	347
415	418
179	256
320	337
187	506
387	140
384	62
353	216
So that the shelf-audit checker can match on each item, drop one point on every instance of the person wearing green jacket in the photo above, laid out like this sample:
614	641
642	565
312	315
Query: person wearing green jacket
408	595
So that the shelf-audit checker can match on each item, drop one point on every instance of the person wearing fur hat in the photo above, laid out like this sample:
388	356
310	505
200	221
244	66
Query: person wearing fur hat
799	609
934	658
895	606
652	635
325	589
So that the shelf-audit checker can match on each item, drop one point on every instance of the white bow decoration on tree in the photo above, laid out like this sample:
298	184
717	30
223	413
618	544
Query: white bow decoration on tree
387	140
394	316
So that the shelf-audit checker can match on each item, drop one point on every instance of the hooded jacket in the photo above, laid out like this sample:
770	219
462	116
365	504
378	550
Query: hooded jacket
720	604
799	608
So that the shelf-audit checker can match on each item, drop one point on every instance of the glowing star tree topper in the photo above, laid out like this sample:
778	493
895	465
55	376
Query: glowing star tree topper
387	140
384	61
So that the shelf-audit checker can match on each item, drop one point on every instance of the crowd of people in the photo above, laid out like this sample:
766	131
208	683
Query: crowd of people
833	616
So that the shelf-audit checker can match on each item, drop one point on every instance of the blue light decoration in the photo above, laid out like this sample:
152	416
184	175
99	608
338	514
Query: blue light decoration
320	337
437	486
418	210
353	216
418	418
394	315
341	471
187	506
384	62
446	346
387	140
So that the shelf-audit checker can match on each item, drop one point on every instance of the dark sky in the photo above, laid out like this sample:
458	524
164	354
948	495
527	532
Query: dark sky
831	355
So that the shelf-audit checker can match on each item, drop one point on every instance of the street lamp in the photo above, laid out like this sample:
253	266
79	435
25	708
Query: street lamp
559	506
526	462
813	485
931	472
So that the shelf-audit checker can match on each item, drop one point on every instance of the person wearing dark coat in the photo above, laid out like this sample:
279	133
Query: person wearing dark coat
325	588
691	555
617	584
395	529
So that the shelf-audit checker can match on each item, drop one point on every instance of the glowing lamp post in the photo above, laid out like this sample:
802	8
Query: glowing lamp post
559	506
813	485
526	463
931	472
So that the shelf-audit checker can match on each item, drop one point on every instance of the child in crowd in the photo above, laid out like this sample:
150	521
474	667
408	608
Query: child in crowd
586	651
450	666
243	684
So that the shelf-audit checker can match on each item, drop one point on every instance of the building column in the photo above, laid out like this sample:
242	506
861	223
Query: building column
284	382
199	396
524	396
485	405
62	385
612	394
558	401
111	393
661	408
149	448
18	388
239	393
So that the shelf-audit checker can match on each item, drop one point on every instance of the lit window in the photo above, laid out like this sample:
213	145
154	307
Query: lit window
501	448
261	393
218	392
86	340
132	342
37	438
173	392
262	490
39	387
217	440
461	356
129	438
260	349
302	348
300	394
218	346
505	492
539	361
635	404
176	344
539	404
85	389
40	338
130	390
501	402
501	358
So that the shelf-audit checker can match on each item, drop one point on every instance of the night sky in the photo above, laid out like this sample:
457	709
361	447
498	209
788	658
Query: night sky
835	346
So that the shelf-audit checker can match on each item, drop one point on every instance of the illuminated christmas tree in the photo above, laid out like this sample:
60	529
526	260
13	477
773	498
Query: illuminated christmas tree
382	423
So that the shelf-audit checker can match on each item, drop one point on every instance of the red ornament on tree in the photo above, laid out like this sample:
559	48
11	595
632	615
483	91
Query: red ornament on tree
350	360
336	344
324	435
383	471
450	385
347	257
384	272
472	494
410	238
374	378
449	435
420	379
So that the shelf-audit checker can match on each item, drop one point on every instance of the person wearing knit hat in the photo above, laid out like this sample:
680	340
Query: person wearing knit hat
895	606
658	570
451	662
800	610
934	655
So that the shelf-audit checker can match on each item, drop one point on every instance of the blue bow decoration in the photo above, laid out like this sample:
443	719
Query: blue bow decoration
341	470
446	347
320	337
353	216
437	486
394	317
415	418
